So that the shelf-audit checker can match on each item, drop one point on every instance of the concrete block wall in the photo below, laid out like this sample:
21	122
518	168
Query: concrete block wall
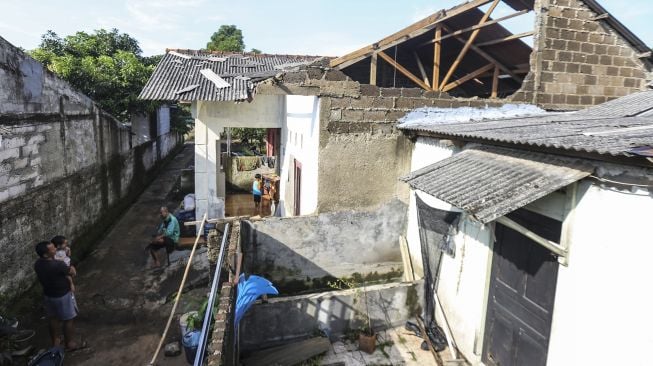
361	151
578	60
66	167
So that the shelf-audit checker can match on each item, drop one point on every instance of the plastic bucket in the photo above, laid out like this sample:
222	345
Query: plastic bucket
183	322
190	341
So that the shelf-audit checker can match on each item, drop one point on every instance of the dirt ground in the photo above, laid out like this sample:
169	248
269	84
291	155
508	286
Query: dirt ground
124	305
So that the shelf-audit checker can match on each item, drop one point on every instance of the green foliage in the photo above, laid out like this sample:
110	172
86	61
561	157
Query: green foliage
256	51
105	65
254	136
181	119
227	38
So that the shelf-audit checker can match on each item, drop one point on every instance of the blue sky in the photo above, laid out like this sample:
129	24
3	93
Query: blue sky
317	27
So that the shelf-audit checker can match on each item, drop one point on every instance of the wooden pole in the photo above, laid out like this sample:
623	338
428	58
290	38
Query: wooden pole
495	81
373	69
437	49
467	77
421	69
181	288
471	39
403	70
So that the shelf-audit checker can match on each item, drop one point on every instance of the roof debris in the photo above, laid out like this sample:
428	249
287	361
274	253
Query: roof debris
215	79
428	116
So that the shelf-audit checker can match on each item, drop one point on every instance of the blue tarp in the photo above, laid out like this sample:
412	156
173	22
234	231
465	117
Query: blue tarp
249	290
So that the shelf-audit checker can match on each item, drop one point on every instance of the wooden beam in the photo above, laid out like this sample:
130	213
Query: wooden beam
403	70
486	56
467	45
421	69
411	31
467	77
373	69
437	50
506	39
495	82
477	26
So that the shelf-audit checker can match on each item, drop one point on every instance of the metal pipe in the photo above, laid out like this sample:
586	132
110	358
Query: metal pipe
208	314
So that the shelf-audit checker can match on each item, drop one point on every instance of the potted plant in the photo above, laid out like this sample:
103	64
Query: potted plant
366	335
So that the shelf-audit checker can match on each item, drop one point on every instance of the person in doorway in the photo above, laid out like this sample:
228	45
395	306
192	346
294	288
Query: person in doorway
167	235
58	301
257	192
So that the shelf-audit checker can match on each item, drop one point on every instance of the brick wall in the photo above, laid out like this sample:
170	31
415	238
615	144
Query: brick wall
66	167
578	61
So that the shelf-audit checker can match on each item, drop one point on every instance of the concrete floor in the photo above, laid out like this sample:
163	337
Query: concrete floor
124	305
395	346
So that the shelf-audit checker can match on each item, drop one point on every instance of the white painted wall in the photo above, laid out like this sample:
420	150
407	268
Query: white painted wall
300	139
211	118
141	128
603	314
163	119
603	310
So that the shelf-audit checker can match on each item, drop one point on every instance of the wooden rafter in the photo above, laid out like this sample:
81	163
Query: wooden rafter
486	56
468	77
506	39
468	44
373	69
495	82
477	26
403	70
422	71
437	50
409	32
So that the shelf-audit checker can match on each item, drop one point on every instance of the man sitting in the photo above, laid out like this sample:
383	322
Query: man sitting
167	236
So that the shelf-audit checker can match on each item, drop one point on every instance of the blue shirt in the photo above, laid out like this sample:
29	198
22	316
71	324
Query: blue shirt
256	189
170	228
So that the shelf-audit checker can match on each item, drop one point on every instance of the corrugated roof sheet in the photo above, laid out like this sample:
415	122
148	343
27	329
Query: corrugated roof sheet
607	129
178	77
489	182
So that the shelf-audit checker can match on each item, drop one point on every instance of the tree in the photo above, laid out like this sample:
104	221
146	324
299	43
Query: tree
228	38
106	65
255	51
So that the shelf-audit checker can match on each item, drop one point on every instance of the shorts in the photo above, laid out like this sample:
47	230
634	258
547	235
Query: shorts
257	198
168	244
62	308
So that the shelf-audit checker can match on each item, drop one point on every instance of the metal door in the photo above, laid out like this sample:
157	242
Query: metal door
522	292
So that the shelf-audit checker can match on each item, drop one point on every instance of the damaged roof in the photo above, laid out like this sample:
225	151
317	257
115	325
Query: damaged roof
189	75
489	182
617	128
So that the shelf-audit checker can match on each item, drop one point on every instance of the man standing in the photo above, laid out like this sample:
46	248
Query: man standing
167	235
59	302
257	192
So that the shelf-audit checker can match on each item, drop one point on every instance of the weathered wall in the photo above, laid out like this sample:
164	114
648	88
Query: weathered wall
66	167
578	60
290	318
292	252
242	179
361	152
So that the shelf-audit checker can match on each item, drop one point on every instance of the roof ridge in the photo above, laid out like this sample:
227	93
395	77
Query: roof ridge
230	53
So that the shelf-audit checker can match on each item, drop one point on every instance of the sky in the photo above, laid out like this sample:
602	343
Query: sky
318	27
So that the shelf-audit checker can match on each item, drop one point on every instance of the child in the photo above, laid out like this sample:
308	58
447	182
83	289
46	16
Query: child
257	192
63	254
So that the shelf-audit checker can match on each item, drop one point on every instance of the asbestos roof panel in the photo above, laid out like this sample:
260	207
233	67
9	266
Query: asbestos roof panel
178	76
489	182
606	129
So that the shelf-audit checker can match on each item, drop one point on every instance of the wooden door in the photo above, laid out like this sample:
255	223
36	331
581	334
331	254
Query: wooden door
522	293
298	187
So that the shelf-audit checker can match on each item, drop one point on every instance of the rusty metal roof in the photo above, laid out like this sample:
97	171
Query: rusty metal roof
489	182
614	128
189	75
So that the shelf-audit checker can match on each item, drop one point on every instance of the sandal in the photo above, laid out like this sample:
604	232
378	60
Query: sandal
82	345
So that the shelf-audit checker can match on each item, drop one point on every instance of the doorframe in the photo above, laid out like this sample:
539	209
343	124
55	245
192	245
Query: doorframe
297	187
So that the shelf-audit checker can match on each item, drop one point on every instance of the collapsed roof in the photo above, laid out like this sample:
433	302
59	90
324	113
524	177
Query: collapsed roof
462	50
189	75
